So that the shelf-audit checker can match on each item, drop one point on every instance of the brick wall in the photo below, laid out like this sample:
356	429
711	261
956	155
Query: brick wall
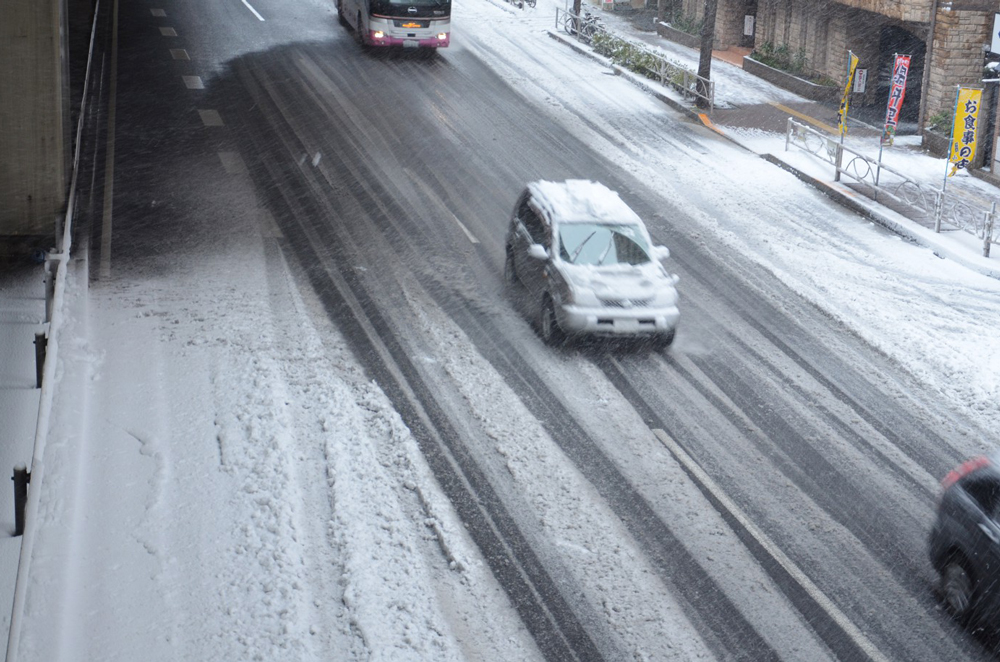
957	55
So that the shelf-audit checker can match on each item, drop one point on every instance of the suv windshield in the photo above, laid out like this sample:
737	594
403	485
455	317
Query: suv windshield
600	244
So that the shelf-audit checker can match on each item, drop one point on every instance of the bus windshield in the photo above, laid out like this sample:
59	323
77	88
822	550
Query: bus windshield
393	6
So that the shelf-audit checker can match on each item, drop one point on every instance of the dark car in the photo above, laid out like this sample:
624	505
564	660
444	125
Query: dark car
965	540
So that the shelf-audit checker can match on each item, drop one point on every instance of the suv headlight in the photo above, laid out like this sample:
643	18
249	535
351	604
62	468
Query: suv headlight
581	295
665	296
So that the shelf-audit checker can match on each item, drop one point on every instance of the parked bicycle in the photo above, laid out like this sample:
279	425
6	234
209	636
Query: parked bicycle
588	23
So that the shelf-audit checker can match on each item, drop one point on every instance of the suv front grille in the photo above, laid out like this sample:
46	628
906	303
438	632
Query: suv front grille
625	303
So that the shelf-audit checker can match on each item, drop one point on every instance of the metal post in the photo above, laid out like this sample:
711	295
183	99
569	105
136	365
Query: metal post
41	343
50	286
988	229
21	479
788	133
840	158
938	204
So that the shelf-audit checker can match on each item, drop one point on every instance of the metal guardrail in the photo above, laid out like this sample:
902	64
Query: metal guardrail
877	179
635	56
56	267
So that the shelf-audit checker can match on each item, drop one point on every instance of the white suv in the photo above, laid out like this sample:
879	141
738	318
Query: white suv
588	261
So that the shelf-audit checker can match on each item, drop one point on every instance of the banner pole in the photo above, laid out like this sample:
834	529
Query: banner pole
951	140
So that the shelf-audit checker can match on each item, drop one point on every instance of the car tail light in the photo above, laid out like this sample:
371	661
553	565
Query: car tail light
963	470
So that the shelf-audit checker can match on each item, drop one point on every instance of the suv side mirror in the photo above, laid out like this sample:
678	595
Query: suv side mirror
538	252
661	252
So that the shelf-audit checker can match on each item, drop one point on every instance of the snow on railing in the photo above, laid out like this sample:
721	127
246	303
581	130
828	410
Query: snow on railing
877	179
55	295
634	56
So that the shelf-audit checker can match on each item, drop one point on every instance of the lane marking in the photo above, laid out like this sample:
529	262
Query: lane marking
764	541
158	13
268	226
253	10
433	196
211	118
232	162
468	234
805	118
179	54
104	271
168	32
193	82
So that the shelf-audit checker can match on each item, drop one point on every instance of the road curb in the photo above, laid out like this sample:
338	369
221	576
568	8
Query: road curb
838	193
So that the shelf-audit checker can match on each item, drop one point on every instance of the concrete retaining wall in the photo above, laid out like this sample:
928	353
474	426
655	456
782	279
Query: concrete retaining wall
791	83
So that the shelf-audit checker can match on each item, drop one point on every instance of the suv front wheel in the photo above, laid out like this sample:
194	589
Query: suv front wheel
509	270
548	324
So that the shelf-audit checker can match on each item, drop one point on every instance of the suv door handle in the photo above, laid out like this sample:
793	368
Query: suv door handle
990	533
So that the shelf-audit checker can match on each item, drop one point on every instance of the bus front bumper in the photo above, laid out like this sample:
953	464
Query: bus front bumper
382	38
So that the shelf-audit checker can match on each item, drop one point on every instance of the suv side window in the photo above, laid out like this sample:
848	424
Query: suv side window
985	490
532	222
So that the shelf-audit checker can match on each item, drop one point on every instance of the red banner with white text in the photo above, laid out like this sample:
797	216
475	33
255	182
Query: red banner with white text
897	91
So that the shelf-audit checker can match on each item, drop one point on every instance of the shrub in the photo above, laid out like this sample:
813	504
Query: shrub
686	24
940	121
781	57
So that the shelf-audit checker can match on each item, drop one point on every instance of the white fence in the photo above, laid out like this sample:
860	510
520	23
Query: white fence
878	180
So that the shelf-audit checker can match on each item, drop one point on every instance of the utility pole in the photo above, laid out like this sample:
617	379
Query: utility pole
705	62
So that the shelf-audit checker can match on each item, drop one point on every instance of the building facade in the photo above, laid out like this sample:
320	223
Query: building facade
946	40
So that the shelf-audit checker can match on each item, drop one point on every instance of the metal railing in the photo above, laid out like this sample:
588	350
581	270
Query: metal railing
876	179
635	56
56	268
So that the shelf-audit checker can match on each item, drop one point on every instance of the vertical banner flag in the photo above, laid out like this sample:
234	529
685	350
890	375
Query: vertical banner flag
842	113
896	93
963	132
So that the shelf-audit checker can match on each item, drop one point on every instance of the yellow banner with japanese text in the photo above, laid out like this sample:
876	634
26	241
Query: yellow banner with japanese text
964	131
852	66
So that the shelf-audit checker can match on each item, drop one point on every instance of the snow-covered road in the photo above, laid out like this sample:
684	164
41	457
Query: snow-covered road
226	481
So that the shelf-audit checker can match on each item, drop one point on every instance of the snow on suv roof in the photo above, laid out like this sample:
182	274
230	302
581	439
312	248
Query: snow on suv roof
579	200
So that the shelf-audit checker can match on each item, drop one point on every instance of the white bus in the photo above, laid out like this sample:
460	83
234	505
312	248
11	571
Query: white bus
408	23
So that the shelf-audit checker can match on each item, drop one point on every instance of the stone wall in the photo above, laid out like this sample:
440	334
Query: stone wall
957	57
823	32
913	11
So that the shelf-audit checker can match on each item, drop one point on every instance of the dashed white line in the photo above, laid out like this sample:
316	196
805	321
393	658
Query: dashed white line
193	82
433	196
159	13
253	10
468	234
232	162
179	54
168	32
211	118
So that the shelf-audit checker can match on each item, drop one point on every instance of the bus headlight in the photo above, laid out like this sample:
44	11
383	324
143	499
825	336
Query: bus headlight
442	36
378	34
